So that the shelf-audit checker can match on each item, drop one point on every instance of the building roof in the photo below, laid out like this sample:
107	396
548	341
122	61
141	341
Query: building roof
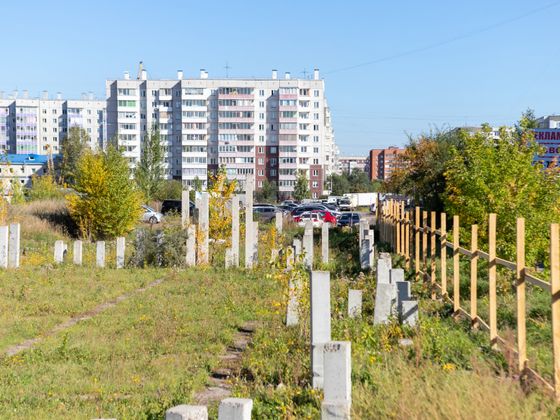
24	159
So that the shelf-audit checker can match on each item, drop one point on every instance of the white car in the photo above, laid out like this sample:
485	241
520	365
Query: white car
151	216
314	217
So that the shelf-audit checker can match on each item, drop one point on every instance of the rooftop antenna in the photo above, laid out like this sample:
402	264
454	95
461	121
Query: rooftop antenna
304	72
227	67
140	68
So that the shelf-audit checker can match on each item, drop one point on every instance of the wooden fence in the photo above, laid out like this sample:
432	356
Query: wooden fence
410	235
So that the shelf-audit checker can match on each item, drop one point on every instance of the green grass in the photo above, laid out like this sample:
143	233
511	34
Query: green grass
139	358
448	373
34	299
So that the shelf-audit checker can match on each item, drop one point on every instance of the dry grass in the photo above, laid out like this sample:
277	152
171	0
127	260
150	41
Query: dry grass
396	388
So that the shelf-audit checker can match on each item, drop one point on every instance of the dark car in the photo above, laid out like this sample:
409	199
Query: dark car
264	213
308	207
349	219
175	206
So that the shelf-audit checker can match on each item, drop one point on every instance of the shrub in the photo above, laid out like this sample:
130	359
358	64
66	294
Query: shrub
107	203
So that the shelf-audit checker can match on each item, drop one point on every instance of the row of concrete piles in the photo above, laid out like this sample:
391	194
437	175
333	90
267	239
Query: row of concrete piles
61	252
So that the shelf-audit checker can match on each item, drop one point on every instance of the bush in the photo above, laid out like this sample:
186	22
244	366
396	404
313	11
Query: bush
107	203
44	188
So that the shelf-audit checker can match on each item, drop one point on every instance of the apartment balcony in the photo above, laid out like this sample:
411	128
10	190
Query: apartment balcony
235	96
236	108
292	96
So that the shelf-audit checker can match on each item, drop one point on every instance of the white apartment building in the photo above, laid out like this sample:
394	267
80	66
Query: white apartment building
33	126
261	128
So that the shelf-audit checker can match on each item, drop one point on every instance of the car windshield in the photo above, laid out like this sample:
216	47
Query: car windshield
148	209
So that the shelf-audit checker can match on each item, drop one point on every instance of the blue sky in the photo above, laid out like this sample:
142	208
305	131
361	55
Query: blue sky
432	64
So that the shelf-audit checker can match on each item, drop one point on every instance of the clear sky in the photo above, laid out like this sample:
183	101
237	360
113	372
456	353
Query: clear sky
426	65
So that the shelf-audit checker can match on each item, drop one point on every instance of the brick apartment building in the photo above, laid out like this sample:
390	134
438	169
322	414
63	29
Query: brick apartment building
383	162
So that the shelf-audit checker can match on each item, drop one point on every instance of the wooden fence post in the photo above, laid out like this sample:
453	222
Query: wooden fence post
520	276
425	245
433	255
417	243
456	273
403	230
474	276
555	292
407	241
398	227
443	253
492	307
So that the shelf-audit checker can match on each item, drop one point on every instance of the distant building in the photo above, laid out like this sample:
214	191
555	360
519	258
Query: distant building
20	168
266	129
549	121
383	162
37	126
347	164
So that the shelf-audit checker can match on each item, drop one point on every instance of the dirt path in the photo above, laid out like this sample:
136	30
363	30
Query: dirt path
230	366
27	344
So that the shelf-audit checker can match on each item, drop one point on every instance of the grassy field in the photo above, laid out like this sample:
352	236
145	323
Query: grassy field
156	349
449	372
139	358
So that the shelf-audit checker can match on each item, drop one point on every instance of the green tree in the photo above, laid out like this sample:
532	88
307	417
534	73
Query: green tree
339	184
72	148
268	191
499	176
170	189
107	204
424	163
149	170
44	187
16	192
301	189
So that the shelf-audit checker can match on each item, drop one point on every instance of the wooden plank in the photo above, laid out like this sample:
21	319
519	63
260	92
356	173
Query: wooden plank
535	281
520	288
456	273
474	275
555	295
403	231
433	254
425	244
407	241
492	306
443	253
417	244
398	228
505	263
465	252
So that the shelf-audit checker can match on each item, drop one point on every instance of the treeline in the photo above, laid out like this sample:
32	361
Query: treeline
474	174
357	181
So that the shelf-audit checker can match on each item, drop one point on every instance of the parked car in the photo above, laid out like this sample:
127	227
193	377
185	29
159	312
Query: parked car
263	205
287	208
151	216
289	202
176	206
308	207
349	219
327	216
264	213
315	218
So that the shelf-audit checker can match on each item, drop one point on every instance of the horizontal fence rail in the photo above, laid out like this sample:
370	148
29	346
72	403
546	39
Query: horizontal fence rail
414	235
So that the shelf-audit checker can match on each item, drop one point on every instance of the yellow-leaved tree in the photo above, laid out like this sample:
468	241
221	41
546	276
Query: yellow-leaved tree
221	190
107	203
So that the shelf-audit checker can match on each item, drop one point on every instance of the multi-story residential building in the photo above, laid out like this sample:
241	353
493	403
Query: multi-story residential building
383	162
268	129
346	164
37	126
